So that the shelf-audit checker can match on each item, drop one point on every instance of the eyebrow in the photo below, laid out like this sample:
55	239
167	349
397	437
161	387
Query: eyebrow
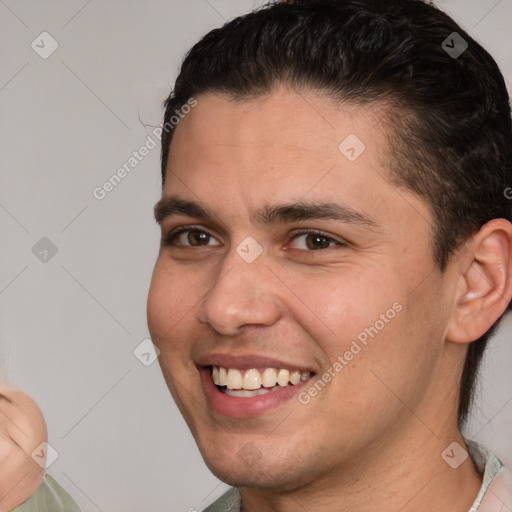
269	214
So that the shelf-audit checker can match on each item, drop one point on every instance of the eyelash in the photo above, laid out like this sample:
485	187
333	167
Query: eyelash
170	238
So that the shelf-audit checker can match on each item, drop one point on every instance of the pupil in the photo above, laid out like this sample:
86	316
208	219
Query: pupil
317	241
197	236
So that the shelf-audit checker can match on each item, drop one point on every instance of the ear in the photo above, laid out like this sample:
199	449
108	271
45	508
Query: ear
484	286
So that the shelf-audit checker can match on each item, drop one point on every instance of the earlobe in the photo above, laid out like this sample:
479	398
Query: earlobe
485	282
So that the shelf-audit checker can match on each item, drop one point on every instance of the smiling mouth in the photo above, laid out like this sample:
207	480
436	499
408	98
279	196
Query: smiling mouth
255	381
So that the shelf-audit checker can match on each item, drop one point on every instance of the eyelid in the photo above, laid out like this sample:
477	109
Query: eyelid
186	227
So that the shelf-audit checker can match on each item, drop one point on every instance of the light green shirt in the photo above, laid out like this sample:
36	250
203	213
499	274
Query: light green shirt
49	497
495	493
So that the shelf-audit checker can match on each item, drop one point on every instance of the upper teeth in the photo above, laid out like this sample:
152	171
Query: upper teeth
253	379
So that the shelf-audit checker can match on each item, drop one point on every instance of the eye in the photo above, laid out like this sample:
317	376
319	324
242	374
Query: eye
191	236
188	236
315	240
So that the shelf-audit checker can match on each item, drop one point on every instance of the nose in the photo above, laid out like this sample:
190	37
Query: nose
242	294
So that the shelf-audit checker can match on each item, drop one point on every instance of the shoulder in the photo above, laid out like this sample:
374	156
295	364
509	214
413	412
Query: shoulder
49	497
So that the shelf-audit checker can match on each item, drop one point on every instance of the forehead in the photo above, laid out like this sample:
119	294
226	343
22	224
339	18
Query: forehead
297	122
237	155
298	136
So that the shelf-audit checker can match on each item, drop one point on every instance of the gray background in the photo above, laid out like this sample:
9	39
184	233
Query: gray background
69	325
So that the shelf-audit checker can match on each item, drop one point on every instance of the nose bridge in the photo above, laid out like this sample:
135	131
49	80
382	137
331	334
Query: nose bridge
241	292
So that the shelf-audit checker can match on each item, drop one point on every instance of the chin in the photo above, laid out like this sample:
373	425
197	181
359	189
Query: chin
248	467
250	477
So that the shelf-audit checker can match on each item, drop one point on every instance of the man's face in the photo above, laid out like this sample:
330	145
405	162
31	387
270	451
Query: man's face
360	288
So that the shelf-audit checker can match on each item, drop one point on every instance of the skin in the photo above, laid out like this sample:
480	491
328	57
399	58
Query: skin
22	430
376	432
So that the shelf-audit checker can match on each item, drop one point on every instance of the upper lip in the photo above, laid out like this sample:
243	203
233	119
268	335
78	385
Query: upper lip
247	361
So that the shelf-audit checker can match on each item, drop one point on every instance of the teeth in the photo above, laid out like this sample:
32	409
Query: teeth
283	377
295	377
252	381
269	378
234	379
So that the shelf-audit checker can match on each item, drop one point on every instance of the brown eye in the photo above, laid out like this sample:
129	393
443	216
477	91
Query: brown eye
189	237
314	241
196	238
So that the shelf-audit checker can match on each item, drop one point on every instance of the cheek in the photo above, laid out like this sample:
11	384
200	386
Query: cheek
345	306
170	302
368	327
173	299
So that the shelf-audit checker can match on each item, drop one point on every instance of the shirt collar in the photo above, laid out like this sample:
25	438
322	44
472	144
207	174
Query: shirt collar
496	490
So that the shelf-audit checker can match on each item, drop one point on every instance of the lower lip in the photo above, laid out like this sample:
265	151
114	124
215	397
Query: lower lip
244	407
